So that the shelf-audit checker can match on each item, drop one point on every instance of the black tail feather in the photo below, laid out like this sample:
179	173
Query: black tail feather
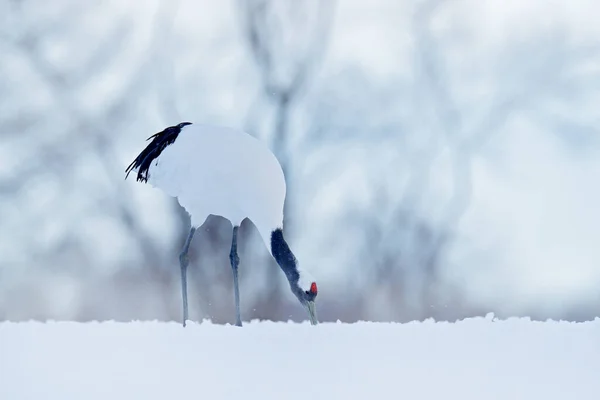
159	141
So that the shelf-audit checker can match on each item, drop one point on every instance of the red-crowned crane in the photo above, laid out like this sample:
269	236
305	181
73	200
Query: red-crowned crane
224	172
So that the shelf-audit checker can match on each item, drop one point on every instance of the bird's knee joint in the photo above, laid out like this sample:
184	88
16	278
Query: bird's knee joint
184	259
235	259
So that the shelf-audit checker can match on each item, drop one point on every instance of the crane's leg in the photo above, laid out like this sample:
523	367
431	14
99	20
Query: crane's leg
235	261
183	263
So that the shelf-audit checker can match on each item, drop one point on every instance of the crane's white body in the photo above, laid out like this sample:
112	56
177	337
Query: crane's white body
224	172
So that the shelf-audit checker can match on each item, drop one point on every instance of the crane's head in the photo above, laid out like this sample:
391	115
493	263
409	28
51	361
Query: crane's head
306	291
301	284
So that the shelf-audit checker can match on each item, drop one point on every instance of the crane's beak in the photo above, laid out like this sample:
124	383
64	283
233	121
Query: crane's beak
312	312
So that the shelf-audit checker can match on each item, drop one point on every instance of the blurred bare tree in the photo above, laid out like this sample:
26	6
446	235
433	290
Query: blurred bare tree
84	84
66	129
409	224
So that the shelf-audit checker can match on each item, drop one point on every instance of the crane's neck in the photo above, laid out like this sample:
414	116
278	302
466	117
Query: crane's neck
284	256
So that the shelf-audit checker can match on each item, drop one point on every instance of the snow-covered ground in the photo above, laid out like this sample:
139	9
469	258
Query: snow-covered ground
477	359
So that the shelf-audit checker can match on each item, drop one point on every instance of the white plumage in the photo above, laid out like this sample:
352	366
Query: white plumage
225	172
233	174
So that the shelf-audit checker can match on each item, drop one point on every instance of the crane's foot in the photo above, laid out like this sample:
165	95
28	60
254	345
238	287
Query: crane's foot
183	263
235	262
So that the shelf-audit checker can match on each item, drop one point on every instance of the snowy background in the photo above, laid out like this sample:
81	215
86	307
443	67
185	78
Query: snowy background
474	359
442	158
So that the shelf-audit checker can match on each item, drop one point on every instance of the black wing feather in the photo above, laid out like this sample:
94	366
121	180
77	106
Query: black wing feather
159	141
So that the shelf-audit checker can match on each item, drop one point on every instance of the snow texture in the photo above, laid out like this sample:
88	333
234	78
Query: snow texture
224	172
475	359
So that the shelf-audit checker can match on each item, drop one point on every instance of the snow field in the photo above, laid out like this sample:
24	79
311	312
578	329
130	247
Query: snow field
478	358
